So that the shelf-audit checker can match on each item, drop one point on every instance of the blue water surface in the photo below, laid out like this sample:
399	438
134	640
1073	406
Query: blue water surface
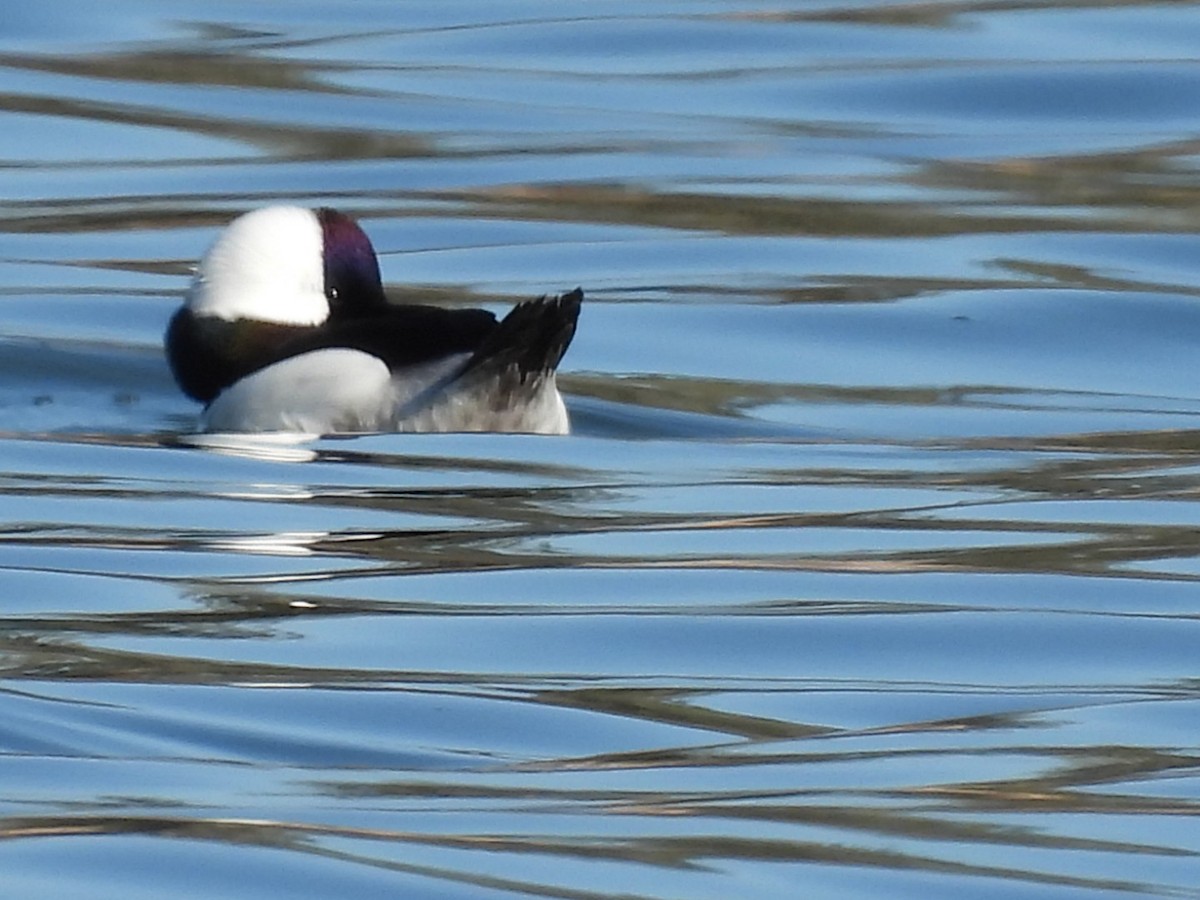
869	570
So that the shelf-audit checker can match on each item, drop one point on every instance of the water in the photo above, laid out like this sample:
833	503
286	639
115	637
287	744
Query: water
869	572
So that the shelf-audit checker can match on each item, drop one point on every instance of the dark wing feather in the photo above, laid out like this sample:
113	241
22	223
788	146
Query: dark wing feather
208	354
401	335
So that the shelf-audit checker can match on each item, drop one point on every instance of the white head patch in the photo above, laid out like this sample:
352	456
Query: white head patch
266	265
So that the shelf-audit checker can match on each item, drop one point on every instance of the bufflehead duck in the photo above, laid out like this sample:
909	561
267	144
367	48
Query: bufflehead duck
286	328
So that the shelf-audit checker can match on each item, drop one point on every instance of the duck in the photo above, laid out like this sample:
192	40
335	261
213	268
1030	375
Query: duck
285	327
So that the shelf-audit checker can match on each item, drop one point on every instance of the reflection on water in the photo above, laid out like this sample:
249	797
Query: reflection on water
550	666
869	571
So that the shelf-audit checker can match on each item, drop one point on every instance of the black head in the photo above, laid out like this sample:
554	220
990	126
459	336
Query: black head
352	281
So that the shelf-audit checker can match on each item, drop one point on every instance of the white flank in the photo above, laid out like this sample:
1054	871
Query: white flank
267	265
322	392
345	391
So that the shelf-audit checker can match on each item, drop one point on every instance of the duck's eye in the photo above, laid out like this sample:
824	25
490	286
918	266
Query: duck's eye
333	293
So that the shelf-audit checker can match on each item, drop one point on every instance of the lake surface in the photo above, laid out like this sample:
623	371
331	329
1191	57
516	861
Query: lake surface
871	568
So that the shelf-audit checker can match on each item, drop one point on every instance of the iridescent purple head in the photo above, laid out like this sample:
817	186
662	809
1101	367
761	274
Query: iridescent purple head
352	280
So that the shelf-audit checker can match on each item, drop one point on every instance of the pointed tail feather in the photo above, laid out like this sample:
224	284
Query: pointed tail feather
530	340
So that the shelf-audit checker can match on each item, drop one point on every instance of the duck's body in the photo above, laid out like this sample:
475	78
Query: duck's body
286	328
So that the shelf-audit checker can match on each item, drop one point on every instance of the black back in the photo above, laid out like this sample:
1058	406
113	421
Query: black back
208	354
